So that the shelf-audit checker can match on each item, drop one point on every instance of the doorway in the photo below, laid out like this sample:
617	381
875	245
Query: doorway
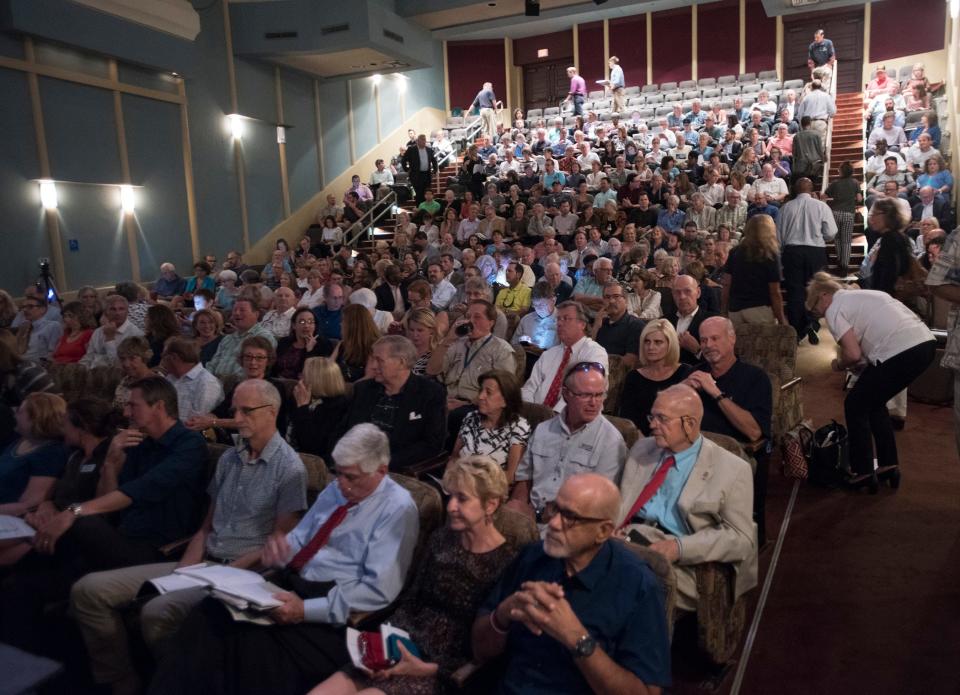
845	29
545	84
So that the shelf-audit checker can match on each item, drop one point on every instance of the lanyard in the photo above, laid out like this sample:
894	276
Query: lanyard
468	358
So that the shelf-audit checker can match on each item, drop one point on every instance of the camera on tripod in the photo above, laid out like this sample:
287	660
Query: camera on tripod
45	282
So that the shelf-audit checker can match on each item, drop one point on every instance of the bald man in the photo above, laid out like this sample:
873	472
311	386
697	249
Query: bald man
688	317
538	612
701	509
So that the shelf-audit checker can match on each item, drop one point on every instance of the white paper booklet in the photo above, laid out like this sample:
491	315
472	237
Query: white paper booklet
13	527
245	585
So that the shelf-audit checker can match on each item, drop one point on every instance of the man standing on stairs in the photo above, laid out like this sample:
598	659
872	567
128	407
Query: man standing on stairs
804	226
486	101
819	106
420	163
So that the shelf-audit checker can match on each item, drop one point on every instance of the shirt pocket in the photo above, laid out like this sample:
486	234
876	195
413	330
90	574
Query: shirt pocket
708	507
581	460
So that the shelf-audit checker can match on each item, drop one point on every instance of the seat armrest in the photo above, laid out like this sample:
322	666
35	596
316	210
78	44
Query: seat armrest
755	446
791	383
464	673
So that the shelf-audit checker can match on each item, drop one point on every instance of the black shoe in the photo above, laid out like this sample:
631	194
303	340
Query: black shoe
866	480
898	422
812	335
889	475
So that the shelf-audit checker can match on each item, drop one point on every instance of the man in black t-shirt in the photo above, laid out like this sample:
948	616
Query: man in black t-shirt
618	331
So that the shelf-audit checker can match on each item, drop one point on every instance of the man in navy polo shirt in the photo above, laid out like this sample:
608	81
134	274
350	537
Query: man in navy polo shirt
579	612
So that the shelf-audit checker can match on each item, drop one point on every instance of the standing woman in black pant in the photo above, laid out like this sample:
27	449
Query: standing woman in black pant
890	346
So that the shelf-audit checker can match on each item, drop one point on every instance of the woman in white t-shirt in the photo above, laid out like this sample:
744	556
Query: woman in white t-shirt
890	347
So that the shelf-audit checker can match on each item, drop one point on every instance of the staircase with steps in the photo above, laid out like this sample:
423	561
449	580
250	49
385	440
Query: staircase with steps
847	145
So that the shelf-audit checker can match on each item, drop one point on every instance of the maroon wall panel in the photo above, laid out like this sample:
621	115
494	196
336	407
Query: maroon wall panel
718	48
671	45
628	41
470	64
560	45
592	60
918	28
761	45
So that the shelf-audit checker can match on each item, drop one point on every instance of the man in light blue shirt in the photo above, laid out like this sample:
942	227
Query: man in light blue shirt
617	85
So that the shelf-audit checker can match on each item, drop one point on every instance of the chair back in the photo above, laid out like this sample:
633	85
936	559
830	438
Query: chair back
520	362
535	413
518	528
214	452
430	506
626	428
663	570
773	348
318	475
732	445
616	374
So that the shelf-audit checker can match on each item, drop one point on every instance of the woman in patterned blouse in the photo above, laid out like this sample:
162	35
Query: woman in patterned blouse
496	428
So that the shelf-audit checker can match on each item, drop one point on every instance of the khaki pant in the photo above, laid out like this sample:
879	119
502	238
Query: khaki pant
619	101
489	117
754	315
820	128
96	602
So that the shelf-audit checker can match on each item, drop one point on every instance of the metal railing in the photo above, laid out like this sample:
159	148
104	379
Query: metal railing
470	134
365	225
828	143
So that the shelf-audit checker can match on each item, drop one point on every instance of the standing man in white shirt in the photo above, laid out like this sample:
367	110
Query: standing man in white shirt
198	391
545	383
804	225
114	327
616	85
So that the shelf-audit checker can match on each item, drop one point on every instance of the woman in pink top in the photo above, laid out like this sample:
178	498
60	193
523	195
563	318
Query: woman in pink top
782	140
78	326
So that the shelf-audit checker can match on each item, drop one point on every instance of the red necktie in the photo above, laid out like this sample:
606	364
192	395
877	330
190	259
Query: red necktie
553	395
320	539
650	489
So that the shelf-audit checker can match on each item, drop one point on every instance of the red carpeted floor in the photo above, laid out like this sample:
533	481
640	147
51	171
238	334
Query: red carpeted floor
865	597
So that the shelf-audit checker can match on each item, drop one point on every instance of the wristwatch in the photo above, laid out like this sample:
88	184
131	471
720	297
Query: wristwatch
75	509
721	396
584	647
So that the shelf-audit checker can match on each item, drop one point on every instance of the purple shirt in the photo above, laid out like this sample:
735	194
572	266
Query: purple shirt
578	86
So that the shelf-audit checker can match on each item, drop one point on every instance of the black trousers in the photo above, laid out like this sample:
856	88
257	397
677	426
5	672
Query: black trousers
215	655
799	265
420	180
865	407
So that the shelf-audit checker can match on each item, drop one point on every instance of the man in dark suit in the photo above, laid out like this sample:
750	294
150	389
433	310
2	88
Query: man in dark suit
939	206
420	163
410	409
388	292
688	317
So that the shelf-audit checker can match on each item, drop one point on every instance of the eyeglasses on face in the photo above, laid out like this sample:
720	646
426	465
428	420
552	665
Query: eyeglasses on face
254	358
568	518
663	419
246	411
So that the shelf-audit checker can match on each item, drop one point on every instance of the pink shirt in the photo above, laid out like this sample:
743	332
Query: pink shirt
889	86
578	86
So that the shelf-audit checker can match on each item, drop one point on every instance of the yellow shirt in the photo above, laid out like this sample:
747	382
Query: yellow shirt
516	299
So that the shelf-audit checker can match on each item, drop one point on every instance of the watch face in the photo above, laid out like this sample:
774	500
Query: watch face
586	645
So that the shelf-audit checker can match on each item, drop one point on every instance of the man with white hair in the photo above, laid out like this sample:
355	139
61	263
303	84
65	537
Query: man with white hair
350	552
169	284
259	488
277	320
368	300
579	612
688	498
114	327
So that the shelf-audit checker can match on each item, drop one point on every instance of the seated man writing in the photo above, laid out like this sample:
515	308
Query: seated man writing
688	498
351	552
259	488
579	612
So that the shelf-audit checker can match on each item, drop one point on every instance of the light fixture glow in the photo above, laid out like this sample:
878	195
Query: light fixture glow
402	83
954	9
235	121
376	78
48	195
126	199
281	135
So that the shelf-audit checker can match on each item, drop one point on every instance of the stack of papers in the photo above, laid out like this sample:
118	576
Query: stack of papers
247	589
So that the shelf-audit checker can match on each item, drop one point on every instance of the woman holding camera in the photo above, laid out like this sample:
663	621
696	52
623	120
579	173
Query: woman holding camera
890	347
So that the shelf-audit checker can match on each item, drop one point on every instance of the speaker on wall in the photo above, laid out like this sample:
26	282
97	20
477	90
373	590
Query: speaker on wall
531	8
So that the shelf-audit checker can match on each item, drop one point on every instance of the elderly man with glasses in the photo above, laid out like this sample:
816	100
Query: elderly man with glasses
577	440
687	498
579	612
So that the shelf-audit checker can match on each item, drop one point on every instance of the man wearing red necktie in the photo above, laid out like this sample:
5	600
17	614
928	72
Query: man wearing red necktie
687	498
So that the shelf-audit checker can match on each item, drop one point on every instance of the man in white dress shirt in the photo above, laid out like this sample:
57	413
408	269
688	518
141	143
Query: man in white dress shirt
443	291
544	384
114	327
198	391
277	320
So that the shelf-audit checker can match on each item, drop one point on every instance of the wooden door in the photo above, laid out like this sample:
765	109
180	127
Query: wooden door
845	29
545	84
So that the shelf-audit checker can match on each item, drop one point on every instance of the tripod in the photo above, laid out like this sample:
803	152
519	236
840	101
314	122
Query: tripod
46	284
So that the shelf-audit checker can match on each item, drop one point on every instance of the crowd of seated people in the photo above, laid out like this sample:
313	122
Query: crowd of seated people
554	249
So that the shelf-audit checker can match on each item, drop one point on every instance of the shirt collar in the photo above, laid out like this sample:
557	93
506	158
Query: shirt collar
194	372
593	573
265	455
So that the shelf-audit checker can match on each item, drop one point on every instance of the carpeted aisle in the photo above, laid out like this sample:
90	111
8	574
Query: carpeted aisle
866	595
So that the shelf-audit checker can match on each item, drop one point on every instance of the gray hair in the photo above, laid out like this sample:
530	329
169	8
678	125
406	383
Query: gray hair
400	348
365	446
167	266
476	285
578	307
266	391
365	298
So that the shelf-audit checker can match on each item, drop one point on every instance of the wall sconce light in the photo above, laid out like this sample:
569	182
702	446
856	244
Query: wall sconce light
376	78
126	199
954	8
235	121
48	195
281	135
402	83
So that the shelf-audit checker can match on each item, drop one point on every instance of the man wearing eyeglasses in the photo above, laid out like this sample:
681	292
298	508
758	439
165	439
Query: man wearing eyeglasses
578	613
245	319
577	440
616	330
259	488
39	333
687	498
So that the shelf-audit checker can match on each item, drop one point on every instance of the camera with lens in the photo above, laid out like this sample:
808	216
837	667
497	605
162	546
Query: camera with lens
464	329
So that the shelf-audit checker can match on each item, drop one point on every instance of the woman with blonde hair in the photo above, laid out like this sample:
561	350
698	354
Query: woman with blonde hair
462	562
30	466
751	277
8	309
889	346
359	333
134	355
320	399
207	326
659	367
422	331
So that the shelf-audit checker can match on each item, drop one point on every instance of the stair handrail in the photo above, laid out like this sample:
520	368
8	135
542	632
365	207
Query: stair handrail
377	212
470	135
828	143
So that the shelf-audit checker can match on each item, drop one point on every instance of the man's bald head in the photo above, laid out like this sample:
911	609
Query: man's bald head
803	185
592	496
721	323
681	399
685	282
